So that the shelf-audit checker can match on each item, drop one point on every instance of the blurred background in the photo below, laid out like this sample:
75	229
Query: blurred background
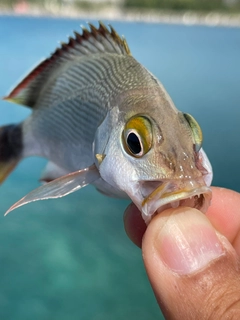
70	258
171	11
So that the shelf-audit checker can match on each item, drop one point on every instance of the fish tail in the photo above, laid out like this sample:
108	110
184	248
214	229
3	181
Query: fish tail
11	146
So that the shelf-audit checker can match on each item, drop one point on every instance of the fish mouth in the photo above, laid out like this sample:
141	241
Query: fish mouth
167	195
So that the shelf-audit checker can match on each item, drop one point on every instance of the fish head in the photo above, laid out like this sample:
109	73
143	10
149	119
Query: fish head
154	154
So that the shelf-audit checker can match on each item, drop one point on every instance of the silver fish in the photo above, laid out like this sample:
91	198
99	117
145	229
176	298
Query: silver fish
101	118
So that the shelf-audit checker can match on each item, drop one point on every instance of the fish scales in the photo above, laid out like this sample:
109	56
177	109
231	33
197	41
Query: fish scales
105	76
102	118
71	132
86	103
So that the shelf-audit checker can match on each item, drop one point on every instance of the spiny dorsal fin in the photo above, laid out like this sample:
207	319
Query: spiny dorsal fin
95	40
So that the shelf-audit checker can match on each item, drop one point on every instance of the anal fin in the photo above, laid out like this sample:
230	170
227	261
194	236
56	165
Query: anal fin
51	172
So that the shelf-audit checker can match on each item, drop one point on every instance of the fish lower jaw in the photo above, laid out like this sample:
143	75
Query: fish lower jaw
192	201
199	199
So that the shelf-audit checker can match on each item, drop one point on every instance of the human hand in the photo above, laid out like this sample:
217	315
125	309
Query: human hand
192	260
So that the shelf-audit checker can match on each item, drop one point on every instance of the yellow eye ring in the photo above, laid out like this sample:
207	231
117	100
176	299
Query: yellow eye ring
196	131
137	136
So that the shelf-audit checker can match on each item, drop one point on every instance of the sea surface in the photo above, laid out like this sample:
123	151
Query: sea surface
70	258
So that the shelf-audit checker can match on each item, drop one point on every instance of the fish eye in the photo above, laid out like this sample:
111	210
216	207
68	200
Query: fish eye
134	143
137	136
196	131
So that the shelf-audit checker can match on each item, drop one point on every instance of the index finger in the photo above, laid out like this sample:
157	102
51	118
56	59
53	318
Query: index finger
224	214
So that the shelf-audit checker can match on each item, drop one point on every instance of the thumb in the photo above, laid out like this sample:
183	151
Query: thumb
194	271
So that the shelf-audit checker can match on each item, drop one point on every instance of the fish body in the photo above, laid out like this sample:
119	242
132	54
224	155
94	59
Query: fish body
100	117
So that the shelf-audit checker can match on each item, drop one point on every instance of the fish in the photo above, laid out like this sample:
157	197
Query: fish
100	117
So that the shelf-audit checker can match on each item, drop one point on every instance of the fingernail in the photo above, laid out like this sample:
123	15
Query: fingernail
187	241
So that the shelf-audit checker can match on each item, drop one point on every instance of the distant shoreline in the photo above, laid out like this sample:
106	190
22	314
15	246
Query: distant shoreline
186	18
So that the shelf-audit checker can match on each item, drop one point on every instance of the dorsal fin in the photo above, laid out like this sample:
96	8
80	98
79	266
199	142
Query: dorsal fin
95	40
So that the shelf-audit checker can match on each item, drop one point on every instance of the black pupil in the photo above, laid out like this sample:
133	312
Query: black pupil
134	143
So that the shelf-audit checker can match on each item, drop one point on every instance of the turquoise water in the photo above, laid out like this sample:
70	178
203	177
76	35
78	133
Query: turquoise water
70	258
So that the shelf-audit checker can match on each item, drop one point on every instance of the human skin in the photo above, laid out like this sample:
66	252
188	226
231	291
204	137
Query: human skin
192	260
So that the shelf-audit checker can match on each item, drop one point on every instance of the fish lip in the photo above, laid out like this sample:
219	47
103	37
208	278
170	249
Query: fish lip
163	200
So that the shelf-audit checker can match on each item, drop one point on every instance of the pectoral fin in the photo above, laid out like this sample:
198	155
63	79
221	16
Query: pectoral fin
60	187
